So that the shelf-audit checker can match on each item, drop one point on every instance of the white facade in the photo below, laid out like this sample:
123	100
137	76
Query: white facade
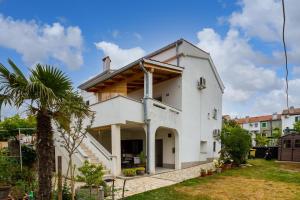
178	113
288	121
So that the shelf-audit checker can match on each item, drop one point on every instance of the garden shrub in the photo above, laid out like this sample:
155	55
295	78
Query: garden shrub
129	172
236	143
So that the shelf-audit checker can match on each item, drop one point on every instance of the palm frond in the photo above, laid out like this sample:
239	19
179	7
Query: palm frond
17	71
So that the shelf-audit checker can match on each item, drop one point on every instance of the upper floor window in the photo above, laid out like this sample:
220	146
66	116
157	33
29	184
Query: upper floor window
297	118
87	103
215	114
256	125
264	124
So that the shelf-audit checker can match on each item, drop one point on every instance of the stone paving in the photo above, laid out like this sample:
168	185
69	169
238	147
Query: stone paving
146	183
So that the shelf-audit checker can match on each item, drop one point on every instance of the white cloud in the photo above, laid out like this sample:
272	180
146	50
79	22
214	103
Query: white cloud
38	43
119	57
234	58
296	71
252	87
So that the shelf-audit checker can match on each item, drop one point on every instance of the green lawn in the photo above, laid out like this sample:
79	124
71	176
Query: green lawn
263	180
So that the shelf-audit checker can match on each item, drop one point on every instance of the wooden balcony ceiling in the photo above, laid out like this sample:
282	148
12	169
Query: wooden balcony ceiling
133	78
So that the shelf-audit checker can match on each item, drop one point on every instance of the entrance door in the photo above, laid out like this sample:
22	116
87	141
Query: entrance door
159	153
287	150
296	150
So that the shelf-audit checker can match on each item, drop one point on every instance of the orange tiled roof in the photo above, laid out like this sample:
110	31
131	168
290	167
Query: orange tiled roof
256	119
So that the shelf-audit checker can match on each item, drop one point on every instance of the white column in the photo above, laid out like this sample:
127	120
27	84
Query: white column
116	147
151	152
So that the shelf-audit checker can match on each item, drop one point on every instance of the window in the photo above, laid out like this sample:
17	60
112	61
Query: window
297	118
203	146
250	124
264	124
287	144
87	103
297	143
215	113
214	146
256	125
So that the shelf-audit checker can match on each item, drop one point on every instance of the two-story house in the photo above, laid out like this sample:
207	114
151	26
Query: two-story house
167	104
263	125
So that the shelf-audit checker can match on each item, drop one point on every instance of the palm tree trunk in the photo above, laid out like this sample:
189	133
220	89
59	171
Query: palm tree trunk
45	153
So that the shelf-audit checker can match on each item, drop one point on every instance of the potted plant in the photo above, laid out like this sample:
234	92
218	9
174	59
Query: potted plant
129	172
218	165
228	163
209	172
140	170
142	157
203	172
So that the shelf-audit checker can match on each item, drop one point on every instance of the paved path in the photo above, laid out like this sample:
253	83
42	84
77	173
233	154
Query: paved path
146	183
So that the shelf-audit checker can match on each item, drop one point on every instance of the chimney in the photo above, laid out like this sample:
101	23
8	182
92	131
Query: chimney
274	116
106	63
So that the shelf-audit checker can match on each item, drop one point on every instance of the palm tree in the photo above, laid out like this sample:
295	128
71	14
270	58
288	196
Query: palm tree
48	94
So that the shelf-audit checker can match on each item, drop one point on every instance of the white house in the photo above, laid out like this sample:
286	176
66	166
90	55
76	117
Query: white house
167	104
289	117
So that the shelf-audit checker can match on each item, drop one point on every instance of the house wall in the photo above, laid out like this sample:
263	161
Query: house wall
169	90
288	121
197	109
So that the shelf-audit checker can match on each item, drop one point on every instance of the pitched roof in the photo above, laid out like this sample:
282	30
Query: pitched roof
291	111
105	75
257	119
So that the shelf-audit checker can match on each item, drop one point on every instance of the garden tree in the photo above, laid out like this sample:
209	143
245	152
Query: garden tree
71	138
276	133
91	174
9	130
48	94
261	140
236	142
1	103
297	126
10	127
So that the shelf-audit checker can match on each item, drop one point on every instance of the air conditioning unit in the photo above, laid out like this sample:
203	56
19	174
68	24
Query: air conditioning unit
201	83
216	133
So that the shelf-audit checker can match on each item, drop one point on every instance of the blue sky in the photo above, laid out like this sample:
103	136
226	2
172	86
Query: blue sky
243	38
157	22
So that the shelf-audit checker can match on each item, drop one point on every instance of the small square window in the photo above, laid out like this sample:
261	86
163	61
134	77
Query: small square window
264	124
256	125
297	118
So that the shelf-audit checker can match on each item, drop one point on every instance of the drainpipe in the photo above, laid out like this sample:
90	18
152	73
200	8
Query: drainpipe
146	116
177	48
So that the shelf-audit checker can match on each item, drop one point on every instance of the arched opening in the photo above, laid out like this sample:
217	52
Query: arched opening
166	149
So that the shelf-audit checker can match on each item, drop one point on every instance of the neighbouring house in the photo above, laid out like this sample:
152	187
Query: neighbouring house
262	125
289	117
167	104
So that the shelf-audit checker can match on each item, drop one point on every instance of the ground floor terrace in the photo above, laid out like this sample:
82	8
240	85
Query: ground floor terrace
127	143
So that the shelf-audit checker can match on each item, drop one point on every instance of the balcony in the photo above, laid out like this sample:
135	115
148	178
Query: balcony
121	109
164	115
117	110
